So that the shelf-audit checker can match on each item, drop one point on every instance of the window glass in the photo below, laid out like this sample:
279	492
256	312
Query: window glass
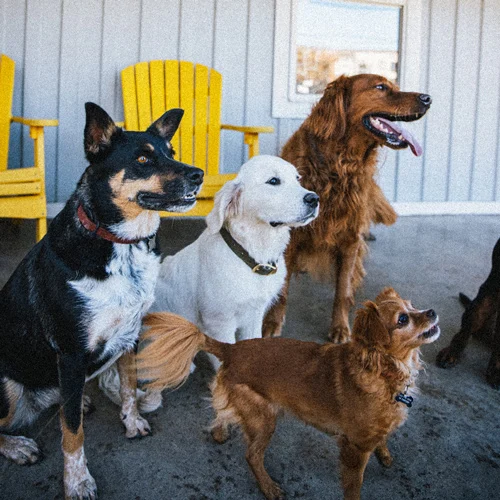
339	37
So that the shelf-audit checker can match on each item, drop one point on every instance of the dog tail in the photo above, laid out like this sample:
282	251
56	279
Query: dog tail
167	348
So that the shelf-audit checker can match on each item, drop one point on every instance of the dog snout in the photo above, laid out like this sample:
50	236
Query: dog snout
425	99
431	314
195	175
311	199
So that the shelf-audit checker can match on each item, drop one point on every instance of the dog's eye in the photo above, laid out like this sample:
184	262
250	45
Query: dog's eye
274	181
403	319
142	159
381	86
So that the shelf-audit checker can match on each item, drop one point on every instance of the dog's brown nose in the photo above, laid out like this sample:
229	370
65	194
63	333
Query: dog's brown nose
425	99
311	199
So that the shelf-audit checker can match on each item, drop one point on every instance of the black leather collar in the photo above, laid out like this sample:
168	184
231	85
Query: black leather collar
262	269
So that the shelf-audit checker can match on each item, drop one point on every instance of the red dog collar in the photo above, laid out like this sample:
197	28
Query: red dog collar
100	231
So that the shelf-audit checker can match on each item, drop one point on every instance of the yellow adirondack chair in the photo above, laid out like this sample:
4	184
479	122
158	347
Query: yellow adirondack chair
150	88
22	190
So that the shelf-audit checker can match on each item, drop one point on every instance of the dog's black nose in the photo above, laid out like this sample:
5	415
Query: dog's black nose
195	175
425	99
311	199
431	314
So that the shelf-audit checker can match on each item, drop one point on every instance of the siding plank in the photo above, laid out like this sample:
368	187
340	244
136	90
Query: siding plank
79	84
120	48
258	99
441	58
159	37
41	80
485	164
410	168
197	31
464	99
230	60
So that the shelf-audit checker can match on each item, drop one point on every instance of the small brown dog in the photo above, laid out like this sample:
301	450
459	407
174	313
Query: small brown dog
335	151
357	391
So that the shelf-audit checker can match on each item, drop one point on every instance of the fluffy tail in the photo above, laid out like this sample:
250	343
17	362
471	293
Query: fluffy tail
167	348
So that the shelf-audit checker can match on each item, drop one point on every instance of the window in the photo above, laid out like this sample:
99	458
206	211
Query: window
318	40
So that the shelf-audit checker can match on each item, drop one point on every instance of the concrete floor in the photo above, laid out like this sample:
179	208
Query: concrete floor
448	449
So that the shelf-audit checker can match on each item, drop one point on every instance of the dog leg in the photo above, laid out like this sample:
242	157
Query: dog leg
383	454
251	325
78	483
259	423
353	462
275	316
135	425
344	294
493	370
476	315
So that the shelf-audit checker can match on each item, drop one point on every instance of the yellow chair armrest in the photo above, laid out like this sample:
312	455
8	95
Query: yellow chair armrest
120	124
34	122
251	130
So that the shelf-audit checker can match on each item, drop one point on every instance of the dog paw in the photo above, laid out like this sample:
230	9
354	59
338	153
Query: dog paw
339	334
136	427
21	450
85	489
220	434
273	491
88	407
446	358
384	456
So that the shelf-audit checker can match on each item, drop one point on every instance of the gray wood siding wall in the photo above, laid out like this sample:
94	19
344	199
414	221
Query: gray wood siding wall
71	51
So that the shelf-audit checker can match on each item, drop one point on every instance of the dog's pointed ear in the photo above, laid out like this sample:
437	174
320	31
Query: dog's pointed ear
385	294
368	327
227	204
99	129
329	117
168	123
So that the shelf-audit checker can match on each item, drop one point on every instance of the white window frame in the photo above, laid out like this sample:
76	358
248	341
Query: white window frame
287	103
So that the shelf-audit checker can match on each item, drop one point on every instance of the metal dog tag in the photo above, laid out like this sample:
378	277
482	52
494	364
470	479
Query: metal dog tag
264	269
407	400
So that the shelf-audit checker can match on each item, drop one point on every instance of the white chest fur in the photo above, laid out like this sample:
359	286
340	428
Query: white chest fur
115	306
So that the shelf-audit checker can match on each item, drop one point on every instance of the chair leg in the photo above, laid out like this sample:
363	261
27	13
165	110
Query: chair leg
41	228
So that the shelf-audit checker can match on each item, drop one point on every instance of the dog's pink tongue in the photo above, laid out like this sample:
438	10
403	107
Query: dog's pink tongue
415	147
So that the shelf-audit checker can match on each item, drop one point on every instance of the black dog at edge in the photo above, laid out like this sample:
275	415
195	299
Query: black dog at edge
75	303
481	318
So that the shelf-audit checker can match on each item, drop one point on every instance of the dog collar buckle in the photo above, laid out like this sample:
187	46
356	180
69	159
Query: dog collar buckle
265	269
403	398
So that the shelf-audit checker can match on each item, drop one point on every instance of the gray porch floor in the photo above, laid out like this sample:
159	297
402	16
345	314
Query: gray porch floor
448	449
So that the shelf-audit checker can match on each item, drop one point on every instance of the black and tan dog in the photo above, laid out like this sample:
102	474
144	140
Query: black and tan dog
481	318
75	303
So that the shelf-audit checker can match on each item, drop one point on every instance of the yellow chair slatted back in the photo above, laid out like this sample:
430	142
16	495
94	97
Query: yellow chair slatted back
150	88
7	70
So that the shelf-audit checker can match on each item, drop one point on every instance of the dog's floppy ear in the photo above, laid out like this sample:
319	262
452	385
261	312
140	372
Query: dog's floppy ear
166	126
99	129
386	294
329	117
226	204
368	326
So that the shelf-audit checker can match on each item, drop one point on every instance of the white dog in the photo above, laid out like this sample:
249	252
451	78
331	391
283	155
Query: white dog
225	281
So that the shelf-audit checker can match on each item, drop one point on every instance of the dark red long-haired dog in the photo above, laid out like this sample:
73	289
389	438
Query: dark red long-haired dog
335	150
